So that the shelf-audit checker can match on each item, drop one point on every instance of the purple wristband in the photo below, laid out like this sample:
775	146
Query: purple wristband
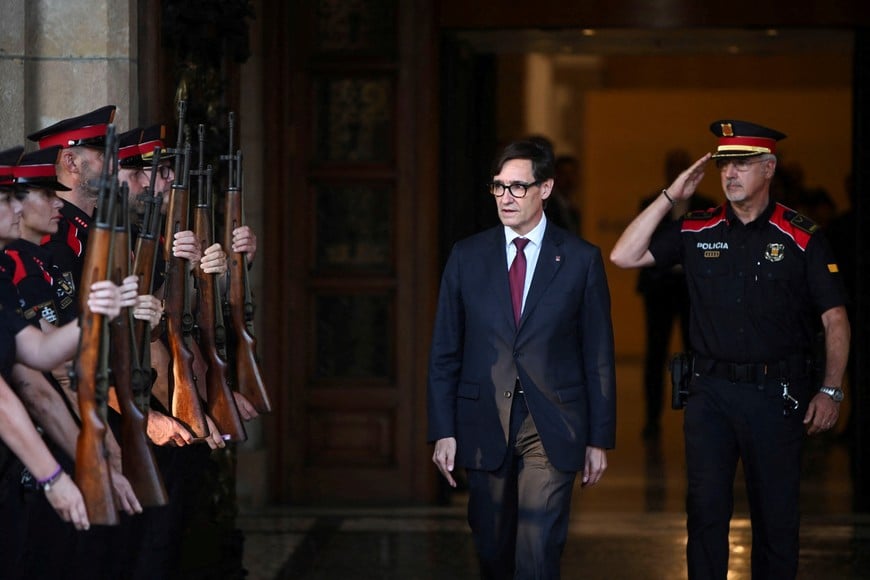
51	478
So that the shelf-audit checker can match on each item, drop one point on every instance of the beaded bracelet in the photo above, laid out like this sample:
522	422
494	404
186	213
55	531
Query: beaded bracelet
45	484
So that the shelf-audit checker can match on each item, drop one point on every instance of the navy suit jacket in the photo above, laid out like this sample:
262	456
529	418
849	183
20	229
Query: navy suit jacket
562	352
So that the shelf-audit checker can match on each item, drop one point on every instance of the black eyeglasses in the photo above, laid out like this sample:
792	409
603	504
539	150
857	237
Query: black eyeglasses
164	171
517	189
741	164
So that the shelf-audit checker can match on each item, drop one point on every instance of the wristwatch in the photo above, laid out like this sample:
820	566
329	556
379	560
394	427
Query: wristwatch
836	393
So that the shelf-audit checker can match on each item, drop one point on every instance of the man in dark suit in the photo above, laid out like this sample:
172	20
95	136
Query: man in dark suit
521	377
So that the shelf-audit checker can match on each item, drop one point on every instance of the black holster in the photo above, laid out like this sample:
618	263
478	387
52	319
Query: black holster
681	374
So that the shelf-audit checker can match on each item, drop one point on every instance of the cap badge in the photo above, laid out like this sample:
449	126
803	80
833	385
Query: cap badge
775	252
727	131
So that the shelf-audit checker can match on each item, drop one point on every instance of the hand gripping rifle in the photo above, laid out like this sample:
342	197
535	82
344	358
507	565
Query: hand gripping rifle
91	375
210	320
239	297
185	401
138	462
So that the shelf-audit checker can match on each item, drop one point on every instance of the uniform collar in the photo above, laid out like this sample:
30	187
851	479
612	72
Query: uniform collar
732	219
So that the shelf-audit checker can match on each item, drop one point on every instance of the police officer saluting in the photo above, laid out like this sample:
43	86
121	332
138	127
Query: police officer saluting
760	278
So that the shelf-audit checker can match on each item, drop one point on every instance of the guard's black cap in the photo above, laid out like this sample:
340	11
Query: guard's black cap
743	139
37	169
128	148
8	160
88	130
153	137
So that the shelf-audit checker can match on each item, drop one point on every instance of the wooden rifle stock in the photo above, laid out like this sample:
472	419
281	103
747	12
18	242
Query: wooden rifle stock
212	333
239	297
138	462
185	403
91	376
144	264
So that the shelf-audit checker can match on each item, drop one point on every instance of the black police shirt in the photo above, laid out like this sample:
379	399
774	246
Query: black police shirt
43	291
67	246
757	290
12	324
8	294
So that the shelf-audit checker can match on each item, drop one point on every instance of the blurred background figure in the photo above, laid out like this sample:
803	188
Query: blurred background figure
665	299
562	207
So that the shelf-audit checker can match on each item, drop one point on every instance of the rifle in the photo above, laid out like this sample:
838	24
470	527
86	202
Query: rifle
185	403
143	266
138	462
91	375
240	300
210	320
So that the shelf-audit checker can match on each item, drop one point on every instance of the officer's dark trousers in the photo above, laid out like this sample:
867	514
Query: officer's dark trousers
519	513
725	422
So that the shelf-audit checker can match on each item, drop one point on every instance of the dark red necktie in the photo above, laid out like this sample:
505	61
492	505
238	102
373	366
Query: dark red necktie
517	278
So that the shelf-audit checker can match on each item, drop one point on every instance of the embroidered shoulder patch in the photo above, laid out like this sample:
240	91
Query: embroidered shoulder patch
803	223
700	214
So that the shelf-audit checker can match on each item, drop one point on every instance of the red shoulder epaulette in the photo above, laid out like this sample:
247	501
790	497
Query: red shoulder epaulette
795	225
698	220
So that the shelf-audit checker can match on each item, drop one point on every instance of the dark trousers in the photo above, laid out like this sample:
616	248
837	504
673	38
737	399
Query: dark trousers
726	422
663	305
519	513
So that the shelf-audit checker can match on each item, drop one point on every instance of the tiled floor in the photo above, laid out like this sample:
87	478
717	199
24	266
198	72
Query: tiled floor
630	526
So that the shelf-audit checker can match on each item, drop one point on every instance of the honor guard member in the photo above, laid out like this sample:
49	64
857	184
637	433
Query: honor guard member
8	159
760	278
83	142
43	293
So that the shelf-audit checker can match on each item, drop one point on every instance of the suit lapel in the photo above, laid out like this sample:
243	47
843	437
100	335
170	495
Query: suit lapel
549	262
496	261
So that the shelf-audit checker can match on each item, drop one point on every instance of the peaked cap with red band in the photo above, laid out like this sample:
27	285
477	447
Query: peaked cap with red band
88	130
128	148
153	137
37	169
8	160
743	139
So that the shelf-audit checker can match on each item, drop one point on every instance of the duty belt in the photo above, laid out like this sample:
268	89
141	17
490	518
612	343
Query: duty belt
791	368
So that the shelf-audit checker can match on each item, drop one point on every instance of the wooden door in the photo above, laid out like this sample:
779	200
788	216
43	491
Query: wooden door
355	247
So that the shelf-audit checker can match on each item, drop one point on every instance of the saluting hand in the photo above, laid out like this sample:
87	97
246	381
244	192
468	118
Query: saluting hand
687	182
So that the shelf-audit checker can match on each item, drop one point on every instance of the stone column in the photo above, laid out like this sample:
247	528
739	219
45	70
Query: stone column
12	35
60	59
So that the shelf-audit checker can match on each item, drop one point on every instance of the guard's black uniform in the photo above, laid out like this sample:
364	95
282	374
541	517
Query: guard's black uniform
757	291
67	245
43	291
13	521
